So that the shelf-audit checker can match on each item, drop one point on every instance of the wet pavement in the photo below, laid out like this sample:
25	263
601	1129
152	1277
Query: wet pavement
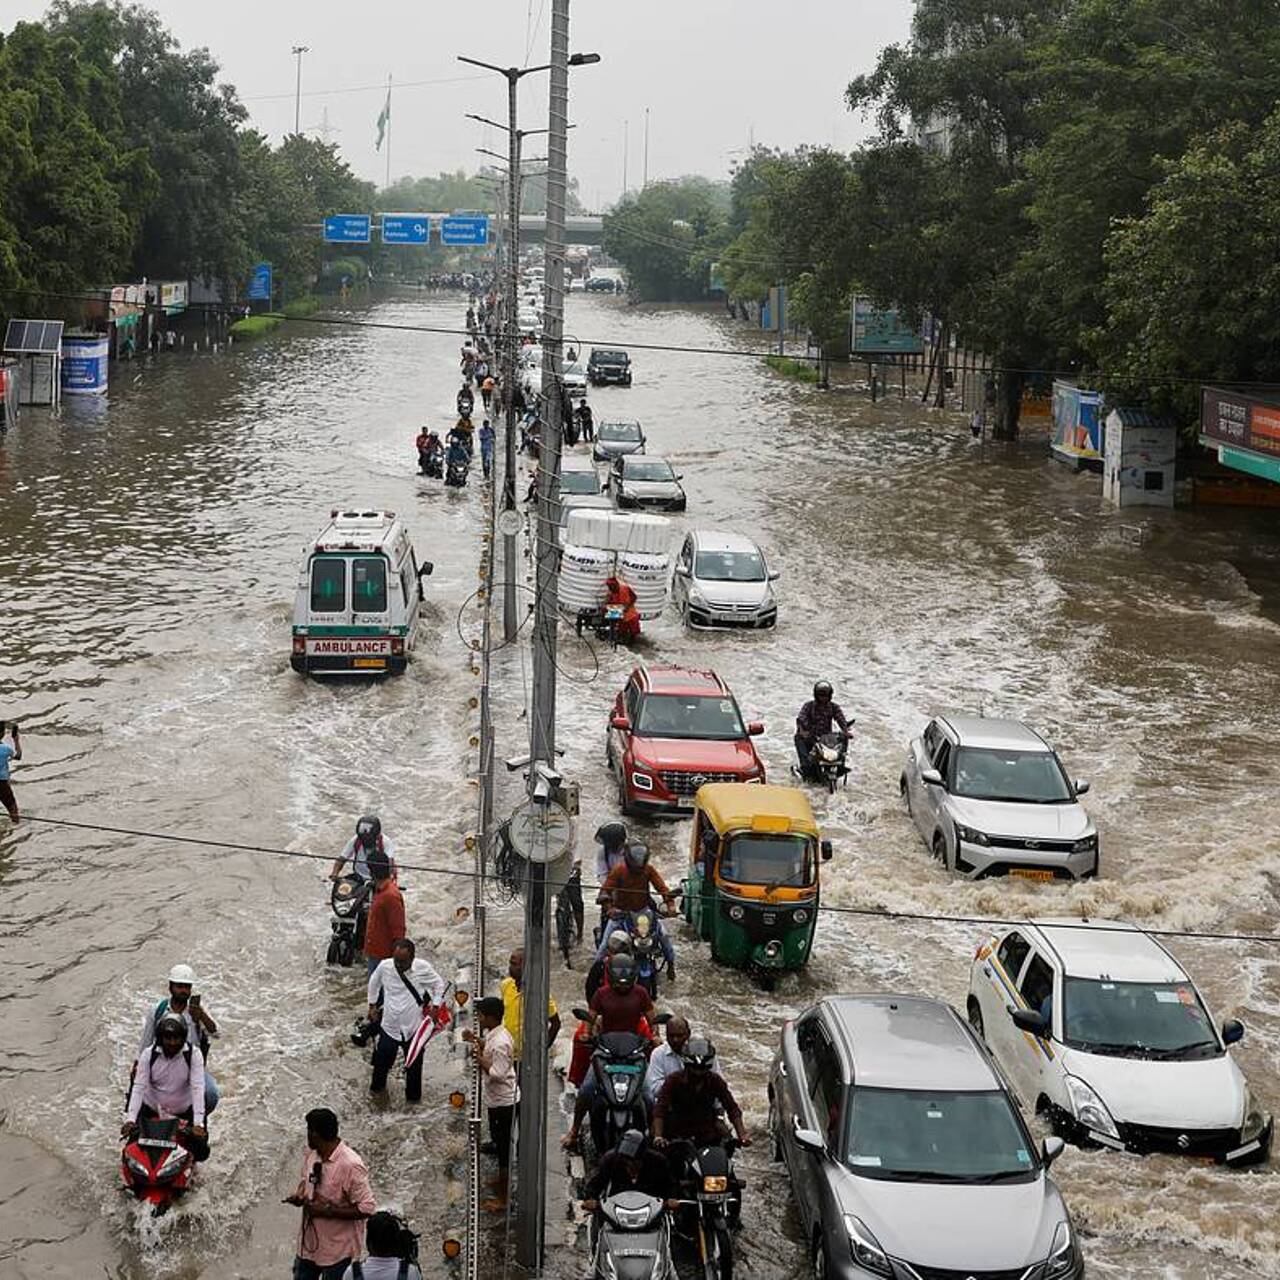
148	553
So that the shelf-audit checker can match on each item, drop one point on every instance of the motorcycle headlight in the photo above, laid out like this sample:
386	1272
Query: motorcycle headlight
136	1166
1255	1119
866	1248
1089	1109
1088	845
1061	1261
173	1164
970	835
713	1183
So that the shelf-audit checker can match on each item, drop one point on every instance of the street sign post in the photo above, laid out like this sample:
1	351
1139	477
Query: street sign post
463	230
260	283
405	228
347	228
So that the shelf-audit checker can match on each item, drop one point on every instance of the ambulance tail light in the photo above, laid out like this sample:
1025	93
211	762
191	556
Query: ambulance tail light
397	646
299	644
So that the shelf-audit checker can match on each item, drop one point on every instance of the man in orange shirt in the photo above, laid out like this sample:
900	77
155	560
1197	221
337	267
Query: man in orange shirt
386	916
626	888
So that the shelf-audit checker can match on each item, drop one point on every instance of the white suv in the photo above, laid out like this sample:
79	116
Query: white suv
1100	1028
991	797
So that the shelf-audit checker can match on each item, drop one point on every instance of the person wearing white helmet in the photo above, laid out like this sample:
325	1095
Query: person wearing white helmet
186	1004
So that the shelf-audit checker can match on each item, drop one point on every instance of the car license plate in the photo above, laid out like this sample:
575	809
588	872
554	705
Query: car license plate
684	802
376	663
1030	873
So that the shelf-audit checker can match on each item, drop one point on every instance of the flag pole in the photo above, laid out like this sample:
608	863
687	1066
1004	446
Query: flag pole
387	183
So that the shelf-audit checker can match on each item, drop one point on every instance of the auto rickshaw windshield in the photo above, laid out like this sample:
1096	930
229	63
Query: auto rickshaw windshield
753	858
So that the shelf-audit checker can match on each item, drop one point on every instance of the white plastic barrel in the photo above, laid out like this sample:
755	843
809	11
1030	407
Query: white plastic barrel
649	577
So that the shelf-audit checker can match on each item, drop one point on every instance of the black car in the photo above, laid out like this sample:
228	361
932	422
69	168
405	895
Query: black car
601	284
640	481
609	365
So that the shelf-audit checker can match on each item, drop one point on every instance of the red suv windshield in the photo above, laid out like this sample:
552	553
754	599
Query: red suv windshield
689	716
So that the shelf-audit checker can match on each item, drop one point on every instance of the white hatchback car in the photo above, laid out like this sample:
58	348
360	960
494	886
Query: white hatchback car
990	797
723	580
1101	1029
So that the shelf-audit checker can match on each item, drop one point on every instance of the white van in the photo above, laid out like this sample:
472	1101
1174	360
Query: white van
359	597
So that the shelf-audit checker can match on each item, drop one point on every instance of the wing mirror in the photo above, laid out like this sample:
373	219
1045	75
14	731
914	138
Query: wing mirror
807	1139
1082	786
1232	1031
931	777
1051	1149
827	850
660	1019
1030	1020
774	575
426	569
582	1015
620	722
755	728
682	571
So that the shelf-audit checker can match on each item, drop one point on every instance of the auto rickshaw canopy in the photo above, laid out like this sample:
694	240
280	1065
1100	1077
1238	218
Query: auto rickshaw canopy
747	806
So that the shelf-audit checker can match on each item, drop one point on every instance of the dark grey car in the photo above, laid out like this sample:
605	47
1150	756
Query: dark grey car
908	1155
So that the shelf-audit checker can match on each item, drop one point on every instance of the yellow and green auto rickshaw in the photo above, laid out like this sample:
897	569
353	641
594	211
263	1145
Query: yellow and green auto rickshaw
752	890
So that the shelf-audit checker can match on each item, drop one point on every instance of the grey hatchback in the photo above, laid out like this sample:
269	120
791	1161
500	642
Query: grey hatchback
908	1156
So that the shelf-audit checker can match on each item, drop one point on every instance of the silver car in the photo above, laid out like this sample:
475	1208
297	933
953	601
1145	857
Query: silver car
907	1154
723	580
991	797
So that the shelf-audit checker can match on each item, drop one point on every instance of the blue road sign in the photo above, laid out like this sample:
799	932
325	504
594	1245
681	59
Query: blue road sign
405	228
260	283
465	230
347	228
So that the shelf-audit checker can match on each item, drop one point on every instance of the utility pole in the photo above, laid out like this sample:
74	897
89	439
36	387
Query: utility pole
387	183
298	51
531	1174
510	553
646	147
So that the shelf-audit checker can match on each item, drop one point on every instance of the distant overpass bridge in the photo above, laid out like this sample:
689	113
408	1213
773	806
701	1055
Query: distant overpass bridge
578	229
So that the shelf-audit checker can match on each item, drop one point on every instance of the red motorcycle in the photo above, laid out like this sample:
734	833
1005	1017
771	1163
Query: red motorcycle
159	1161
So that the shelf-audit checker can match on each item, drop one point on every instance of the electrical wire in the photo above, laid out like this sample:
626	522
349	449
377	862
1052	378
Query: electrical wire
876	913
361	88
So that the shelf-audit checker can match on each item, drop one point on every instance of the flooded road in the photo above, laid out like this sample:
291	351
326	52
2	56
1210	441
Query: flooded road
147	561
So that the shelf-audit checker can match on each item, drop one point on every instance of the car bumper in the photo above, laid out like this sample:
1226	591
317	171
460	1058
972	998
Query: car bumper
702	617
974	861
679	797
842	1266
1223	1146
313	666
629	502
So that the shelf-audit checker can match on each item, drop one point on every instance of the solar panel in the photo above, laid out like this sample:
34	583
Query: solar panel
33	337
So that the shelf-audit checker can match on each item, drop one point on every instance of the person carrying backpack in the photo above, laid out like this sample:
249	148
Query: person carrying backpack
393	1251
186	1004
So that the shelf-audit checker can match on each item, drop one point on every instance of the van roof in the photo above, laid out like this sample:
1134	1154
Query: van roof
362	530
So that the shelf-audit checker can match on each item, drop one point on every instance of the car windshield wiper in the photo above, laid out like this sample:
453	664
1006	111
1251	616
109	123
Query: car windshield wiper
1181	1051
1112	1050
915	1175
1003	1175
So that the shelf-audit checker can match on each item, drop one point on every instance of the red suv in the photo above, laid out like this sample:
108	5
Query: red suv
672	730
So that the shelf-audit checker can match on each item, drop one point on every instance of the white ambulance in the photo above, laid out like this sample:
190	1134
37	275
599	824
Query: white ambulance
359	597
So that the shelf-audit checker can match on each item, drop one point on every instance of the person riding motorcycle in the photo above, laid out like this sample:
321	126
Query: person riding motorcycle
428	446
169	1081
619	595
689	1102
367	842
627	889
619	944
815	719
631	1166
466	401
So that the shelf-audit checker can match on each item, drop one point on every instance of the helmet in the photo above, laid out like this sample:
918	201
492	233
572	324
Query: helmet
368	829
622	972
637	856
642	923
699	1054
619	943
183	974
822	690
631	1144
613	835
170	1025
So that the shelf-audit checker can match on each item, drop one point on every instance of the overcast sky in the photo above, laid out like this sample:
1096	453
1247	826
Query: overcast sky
714	74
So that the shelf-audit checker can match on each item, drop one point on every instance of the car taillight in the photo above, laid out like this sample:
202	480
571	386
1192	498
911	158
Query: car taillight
397	646
299	644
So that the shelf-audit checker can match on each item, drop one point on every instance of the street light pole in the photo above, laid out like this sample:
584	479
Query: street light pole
510	328
298	51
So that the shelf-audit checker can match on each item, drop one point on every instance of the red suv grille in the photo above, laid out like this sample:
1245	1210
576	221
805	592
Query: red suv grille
685	782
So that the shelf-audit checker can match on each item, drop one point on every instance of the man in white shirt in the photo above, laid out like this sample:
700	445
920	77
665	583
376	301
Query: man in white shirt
400	991
169	1079
495	1051
665	1060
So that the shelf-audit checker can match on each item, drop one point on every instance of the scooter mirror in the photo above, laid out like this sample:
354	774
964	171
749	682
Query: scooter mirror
660	1019
582	1015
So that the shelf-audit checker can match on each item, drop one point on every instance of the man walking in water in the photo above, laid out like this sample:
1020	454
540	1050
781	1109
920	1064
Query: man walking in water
8	753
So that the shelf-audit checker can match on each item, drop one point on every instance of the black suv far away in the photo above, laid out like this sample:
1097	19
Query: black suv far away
609	366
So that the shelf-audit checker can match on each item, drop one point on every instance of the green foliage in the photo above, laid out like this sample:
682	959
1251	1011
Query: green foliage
300	308
256	326
800	370
667	236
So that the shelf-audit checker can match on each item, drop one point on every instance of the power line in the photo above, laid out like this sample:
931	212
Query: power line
361	88
876	913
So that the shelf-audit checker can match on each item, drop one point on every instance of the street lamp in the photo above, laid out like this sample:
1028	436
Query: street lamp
298	51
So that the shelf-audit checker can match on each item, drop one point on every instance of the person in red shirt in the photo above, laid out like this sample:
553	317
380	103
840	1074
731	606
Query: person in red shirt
622	1002
386	916
626	888
621	596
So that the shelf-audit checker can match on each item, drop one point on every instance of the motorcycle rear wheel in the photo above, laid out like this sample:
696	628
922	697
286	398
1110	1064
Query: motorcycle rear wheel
346	952
331	956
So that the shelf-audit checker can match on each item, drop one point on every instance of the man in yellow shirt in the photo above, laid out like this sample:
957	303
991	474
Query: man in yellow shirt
513	1003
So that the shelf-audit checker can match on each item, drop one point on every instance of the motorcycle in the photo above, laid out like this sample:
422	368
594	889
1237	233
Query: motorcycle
631	1239
349	900
456	475
646	947
603	622
431	462
158	1161
618	1063
827	765
712	1204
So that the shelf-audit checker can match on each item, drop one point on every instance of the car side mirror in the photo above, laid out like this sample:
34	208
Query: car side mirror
620	722
828	850
680	476
1082	786
1232	1031
808	1139
660	1019
682	571
426	569
774	575
1051	1149
1030	1020
755	728
931	777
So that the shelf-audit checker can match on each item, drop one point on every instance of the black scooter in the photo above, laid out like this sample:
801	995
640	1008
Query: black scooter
431	462
455	475
349	899
618	1063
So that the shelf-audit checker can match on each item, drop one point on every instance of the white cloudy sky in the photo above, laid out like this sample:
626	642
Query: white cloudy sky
713	74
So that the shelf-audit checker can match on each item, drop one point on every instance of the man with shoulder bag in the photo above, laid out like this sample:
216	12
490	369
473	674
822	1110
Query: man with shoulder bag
398	988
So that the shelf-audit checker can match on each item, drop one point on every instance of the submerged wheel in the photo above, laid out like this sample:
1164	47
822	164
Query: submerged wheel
331	956
346	952
975	1019
723	1253
625	807
940	849
905	792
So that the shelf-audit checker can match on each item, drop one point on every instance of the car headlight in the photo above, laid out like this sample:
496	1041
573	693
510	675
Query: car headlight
1088	845
1089	1109
1062	1257
865	1248
696	598
641	781
971	835
1255	1119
